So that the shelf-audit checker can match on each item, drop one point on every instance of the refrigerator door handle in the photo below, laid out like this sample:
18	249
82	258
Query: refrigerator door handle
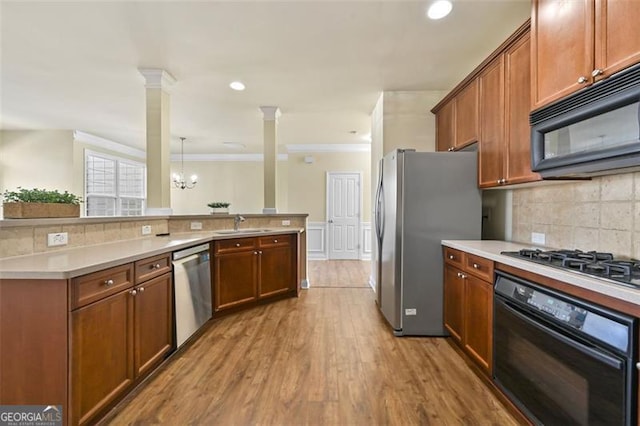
378	210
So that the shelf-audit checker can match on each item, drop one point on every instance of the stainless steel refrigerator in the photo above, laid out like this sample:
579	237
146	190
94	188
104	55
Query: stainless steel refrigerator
422	198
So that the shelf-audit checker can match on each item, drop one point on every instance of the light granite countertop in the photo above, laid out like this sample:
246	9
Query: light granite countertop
73	262
491	249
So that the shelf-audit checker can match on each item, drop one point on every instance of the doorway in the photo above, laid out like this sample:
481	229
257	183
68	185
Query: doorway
344	204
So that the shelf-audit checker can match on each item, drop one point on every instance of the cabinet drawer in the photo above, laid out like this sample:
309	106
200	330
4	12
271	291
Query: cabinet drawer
480	267
98	285
235	244
454	257
275	241
152	267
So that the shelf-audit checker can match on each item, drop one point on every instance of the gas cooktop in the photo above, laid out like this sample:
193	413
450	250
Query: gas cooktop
596	264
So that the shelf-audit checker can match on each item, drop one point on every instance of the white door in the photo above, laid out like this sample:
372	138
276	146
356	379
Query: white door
343	214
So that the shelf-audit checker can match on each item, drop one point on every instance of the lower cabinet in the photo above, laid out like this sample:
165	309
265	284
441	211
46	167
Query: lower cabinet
247	270
468	304
101	354
116	339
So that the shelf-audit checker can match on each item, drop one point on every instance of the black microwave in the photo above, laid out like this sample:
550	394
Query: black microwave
592	132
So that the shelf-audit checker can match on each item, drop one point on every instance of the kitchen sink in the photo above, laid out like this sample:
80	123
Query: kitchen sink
243	231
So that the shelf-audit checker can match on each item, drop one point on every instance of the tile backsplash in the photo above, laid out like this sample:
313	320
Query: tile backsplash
600	214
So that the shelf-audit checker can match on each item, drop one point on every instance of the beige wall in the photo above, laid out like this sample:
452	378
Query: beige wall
54	160
36	159
307	182
408	122
602	214
239	183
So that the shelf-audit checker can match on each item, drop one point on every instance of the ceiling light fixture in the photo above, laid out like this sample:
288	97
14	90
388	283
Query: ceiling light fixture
178	179
439	9
237	85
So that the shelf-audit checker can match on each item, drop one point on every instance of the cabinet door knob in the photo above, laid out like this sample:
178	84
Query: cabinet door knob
475	265
133	292
156	266
459	275
255	252
108	282
237	244
596	72
140	289
451	256
275	241
260	252
582	79
450	149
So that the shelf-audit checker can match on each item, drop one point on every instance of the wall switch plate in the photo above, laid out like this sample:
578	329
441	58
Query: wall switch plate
57	239
412	311
146	230
537	238
286	222
196	226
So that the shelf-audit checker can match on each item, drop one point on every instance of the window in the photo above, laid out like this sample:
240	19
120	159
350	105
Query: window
114	186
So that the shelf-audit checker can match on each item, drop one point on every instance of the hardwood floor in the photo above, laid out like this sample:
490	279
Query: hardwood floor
326	358
339	273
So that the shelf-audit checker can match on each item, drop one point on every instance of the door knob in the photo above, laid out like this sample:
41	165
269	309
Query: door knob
330	220
108	282
596	72
582	79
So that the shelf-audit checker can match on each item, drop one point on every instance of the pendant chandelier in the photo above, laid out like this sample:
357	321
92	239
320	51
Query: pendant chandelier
178	179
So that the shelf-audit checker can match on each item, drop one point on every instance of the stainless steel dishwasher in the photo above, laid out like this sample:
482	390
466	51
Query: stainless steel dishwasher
192	290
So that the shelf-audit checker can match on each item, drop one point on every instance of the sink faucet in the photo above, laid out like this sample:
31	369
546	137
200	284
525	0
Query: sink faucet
236	221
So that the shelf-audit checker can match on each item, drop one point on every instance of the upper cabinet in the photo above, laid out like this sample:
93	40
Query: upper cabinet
577	43
457	119
504	152
466	120
491	106
445	130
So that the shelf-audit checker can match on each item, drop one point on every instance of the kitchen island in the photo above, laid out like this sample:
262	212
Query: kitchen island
81	327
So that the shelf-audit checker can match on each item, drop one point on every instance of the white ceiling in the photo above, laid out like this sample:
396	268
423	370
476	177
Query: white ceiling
74	65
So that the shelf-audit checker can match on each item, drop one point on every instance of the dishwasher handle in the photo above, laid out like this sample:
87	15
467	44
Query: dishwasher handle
189	251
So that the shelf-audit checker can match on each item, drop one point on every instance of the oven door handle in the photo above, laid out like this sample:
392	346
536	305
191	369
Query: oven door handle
589	351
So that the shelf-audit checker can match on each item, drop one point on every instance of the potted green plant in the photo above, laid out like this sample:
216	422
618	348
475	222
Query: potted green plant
39	203
219	207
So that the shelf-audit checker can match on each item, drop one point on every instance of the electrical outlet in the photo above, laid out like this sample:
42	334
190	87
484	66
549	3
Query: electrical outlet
537	238
146	229
410	311
286	222
57	239
196	226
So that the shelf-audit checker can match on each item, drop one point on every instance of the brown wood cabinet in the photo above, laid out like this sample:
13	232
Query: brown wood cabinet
576	43
457	119
466	117
118	338
504	155
247	270
445	127
468	304
491	106
492	116
276	266
101	355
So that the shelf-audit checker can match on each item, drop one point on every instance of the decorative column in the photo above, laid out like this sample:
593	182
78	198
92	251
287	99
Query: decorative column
157	86
270	116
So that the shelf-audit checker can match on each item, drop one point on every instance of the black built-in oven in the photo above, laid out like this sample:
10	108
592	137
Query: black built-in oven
561	360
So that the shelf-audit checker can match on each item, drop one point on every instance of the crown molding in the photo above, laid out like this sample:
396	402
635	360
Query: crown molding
226	157
156	78
109	145
328	147
270	113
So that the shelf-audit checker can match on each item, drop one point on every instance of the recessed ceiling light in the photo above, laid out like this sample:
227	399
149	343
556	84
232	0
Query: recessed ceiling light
237	85
439	9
